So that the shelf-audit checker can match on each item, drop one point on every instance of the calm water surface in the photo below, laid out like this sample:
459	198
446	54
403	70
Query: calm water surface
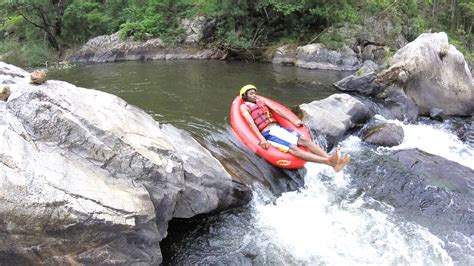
189	94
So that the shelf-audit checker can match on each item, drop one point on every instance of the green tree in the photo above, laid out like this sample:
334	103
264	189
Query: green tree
46	15
155	18
96	17
466	18
240	23
255	23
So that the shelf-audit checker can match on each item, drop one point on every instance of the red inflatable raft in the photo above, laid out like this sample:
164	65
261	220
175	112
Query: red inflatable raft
247	137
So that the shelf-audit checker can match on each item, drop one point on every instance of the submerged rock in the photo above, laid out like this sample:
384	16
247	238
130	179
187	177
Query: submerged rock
429	190
382	134
437	170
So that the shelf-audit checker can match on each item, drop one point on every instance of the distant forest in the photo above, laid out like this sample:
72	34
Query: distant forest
33	32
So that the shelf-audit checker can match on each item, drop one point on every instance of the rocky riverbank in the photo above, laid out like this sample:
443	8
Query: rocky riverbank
87	178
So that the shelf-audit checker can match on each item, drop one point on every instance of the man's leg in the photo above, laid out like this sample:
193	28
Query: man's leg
335	161
315	149
311	157
281	137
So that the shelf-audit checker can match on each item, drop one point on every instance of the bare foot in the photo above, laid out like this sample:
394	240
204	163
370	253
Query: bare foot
335	157
341	163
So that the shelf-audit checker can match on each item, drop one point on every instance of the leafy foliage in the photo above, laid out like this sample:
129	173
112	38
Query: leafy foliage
94	17
156	18
26	55
59	24
42	14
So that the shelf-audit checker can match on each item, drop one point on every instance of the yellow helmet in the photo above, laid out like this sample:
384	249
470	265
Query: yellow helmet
246	88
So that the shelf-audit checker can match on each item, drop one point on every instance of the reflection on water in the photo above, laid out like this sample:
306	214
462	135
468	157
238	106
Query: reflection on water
186	93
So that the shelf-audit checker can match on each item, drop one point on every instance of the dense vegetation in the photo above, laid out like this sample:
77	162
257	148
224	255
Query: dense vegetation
33	32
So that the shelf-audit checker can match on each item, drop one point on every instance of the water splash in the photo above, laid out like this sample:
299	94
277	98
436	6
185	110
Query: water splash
318	225
437	140
328	222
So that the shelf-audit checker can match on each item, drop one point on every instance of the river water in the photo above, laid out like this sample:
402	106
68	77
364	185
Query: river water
325	221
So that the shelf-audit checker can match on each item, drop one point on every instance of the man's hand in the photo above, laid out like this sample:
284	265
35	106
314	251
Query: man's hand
264	144
298	123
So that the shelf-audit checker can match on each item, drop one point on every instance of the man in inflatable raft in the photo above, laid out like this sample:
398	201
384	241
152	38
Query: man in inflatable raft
256	112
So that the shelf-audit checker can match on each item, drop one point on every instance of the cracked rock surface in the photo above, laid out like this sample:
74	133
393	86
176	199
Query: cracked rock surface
86	178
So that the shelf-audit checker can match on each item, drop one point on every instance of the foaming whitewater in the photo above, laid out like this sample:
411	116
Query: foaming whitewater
320	225
323	224
330	222
437	140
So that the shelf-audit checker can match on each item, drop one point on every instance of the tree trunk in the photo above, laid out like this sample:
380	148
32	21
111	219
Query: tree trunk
53	40
50	29
453	12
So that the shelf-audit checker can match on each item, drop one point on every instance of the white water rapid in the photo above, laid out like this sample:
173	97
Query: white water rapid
318	225
436	139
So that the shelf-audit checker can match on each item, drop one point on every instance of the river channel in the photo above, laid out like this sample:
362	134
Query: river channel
321	218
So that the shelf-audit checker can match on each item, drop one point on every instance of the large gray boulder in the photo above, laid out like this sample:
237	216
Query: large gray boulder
364	81
207	186
434	74
51	204
198	29
393	103
375	53
316	56
284	55
93	180
389	101
335	115
381	31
